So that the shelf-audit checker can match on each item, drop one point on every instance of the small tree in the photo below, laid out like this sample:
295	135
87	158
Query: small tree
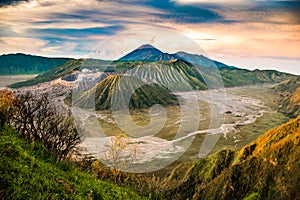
6	106
118	155
37	119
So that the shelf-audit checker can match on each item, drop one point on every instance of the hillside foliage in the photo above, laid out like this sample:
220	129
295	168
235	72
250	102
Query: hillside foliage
33	155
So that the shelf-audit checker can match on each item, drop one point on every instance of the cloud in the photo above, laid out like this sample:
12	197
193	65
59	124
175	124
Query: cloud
79	25
166	40
78	33
257	29
19	44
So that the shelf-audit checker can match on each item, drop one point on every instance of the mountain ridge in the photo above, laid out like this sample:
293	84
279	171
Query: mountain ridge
19	63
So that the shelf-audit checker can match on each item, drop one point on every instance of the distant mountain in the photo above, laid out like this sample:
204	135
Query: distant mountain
200	60
145	96
149	53
267	168
179	72
14	64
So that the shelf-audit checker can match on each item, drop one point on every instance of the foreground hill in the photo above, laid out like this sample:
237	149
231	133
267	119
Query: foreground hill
14	64
267	168
145	96
27	171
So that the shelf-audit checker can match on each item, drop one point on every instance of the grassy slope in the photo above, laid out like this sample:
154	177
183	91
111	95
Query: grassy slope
267	168
13	64
27	171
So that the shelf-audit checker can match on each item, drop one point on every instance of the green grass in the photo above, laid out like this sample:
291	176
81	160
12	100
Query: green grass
28	171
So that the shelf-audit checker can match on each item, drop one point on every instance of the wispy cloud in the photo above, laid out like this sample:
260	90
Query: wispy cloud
224	29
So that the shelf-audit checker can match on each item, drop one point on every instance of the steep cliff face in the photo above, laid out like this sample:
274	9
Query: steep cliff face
267	168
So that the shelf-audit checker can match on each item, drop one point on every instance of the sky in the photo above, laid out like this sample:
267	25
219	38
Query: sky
251	34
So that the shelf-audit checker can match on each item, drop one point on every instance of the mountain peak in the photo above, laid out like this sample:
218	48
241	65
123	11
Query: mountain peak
145	52
146	46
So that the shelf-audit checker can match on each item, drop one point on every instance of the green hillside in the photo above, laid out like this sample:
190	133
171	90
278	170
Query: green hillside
52	74
267	168
14	64
145	96
240	77
27	171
